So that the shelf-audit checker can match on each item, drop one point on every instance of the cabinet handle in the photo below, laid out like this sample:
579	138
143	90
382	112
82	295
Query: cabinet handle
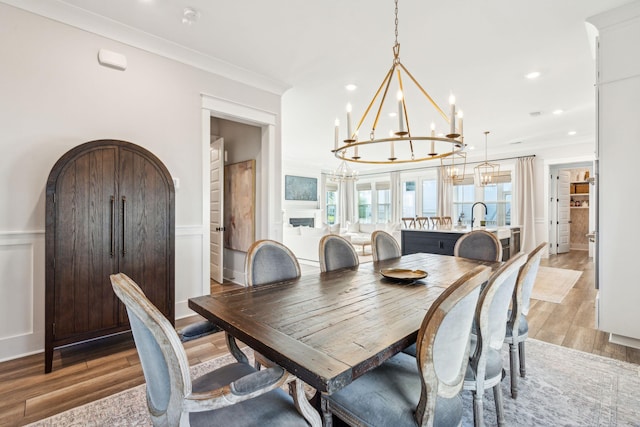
113	222
124	222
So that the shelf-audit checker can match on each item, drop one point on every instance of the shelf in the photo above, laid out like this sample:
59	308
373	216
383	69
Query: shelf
579	207
579	194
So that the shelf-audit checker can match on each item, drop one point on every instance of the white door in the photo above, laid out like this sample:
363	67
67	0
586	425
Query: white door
217	209
564	213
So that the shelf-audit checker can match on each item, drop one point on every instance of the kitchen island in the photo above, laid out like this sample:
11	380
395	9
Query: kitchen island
442	240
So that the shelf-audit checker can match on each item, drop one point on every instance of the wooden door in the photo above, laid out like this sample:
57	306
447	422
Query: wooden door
145	229
85	245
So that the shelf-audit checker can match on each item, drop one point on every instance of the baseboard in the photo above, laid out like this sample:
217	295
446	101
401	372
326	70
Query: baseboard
622	340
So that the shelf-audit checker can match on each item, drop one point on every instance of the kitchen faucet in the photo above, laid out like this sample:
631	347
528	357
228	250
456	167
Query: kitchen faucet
473	206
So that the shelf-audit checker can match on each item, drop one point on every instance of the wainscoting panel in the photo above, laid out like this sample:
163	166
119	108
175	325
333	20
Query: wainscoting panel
21	293
22	286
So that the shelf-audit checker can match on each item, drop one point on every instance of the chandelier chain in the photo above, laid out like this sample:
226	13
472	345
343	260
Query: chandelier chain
396	21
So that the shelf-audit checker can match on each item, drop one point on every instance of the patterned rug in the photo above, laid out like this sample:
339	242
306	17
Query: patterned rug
553	284
563	387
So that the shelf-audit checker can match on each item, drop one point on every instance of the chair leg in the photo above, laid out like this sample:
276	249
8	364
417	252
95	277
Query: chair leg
478	416
327	416
497	396
513	363
523	370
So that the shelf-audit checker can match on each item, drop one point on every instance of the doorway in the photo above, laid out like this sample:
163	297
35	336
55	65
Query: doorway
571	208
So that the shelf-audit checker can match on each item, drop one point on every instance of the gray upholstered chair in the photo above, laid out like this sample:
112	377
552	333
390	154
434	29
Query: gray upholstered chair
234	394
485	365
384	246
479	244
336	252
269	261
517	321
425	390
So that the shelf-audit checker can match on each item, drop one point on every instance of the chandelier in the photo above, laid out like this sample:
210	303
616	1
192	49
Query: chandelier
486	173
403	145
344	173
453	167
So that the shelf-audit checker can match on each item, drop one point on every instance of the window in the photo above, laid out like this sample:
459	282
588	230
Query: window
331	204
498	200
497	197
463	199
429	196
409	199
383	202
374	202
365	215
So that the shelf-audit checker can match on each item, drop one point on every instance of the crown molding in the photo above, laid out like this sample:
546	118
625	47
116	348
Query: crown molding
80	18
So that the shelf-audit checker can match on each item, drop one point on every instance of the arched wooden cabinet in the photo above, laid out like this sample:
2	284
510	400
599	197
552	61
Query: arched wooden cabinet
109	208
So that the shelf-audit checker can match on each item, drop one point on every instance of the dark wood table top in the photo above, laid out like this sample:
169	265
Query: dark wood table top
330	328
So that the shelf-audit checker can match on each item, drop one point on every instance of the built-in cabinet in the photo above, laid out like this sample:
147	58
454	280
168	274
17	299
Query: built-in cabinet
109	208
617	93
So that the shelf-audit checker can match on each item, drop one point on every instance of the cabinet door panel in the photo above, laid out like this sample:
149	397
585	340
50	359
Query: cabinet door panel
84	300
145	201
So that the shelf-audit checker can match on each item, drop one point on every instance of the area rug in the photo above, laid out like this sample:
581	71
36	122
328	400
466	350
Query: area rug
553	284
563	387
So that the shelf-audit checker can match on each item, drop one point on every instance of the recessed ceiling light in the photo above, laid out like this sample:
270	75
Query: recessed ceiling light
190	16
351	87
571	132
471	147
533	75
515	142
393	114
558	112
535	113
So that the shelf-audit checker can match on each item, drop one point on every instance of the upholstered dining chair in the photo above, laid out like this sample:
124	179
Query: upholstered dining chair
384	246
234	394
425	390
485	365
479	244
336	252
517	320
268	261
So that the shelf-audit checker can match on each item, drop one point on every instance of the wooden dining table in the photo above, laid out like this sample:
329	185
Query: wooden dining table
330	328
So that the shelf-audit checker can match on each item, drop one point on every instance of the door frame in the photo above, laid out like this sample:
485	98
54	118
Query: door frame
548	215
269	164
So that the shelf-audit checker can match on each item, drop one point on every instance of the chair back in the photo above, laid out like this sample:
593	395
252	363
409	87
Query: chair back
446	220
479	244
163	359
336	252
493	306
524	285
384	246
442	349
436	221
269	261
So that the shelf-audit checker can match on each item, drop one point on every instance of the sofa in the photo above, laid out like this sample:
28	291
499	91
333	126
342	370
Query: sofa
304	241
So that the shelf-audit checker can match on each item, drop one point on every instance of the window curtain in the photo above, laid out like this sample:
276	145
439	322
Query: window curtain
348	203
445	194
524	199
396	197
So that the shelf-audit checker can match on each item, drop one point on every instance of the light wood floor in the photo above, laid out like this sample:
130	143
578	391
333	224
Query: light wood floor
91	371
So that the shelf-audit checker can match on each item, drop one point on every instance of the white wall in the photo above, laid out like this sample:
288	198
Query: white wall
55	96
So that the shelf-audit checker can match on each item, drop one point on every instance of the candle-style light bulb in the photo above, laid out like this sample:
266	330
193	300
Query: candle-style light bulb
452	103
460	116
433	143
337	134
349	120
400	112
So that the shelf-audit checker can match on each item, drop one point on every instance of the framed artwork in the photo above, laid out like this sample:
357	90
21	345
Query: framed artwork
300	188
239	202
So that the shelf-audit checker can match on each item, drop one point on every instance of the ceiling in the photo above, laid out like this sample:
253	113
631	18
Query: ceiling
478	49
